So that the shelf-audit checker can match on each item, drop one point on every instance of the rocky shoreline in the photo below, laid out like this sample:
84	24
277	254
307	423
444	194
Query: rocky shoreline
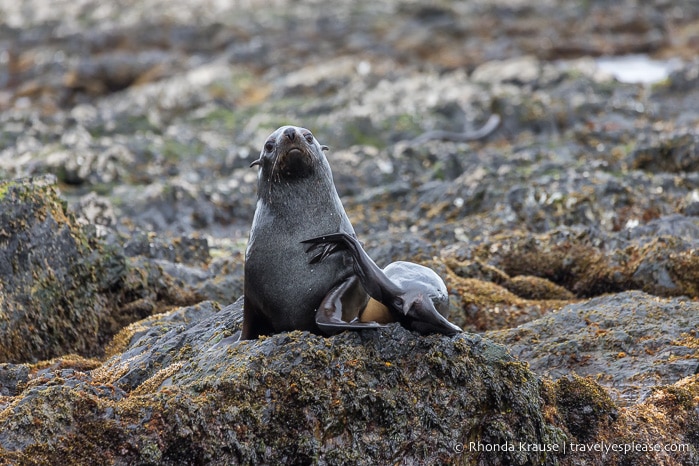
568	238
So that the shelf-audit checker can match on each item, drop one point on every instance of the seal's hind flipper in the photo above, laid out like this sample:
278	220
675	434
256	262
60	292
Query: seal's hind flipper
341	307
332	328
424	318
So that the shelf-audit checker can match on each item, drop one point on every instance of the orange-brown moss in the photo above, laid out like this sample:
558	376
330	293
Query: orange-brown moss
488	306
69	361
582	269
530	287
476	269
121	340
689	339
667	417
684	268
153	383
584	406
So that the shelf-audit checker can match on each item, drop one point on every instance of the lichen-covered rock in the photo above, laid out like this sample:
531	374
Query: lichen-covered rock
55	278
11	377
674	154
62	289
629	342
658	257
185	391
587	190
180	389
584	406
660	430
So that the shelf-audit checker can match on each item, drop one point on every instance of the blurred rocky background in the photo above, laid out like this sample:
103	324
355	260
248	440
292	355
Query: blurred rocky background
568	237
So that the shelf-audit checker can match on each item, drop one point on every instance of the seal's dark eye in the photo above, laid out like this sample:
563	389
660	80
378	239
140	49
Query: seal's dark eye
269	146
309	137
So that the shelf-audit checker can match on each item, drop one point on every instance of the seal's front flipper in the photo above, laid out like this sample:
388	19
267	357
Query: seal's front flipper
327	249
373	279
411	293
340	308
328	245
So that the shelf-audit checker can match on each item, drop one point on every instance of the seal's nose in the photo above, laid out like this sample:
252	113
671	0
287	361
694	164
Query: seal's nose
290	133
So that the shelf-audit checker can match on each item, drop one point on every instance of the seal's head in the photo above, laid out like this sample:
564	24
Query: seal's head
290	153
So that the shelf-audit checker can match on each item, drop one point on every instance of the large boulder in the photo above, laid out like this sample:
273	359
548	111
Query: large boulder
55	277
62	288
183	390
630	342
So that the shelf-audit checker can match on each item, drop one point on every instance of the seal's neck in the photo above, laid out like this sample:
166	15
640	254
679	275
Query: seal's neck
315	195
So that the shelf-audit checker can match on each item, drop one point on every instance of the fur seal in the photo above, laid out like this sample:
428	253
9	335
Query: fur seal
297	199
411	294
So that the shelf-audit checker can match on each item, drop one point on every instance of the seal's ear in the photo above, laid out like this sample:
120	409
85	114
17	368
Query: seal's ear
256	162
324	148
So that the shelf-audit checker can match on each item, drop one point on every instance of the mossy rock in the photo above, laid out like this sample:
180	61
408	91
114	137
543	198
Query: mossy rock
585	407
185	391
530	287
54	276
63	289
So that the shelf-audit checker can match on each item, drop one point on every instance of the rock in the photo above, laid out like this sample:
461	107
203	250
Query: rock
676	153
63	289
520	71
529	287
585	406
181	388
96	210
56	279
195	394
225	277
627	342
692	209
184	250
658	258
583	200
686	78
481	305
12	376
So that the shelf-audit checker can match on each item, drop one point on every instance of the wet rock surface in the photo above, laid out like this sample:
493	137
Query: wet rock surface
64	290
568	237
184	389
627	341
